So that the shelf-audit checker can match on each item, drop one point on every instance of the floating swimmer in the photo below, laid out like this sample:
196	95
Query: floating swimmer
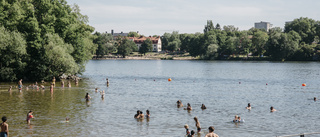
272	109
249	106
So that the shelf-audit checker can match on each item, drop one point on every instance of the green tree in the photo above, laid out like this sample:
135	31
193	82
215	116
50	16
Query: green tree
259	40
146	46
133	34
165	40
305	27
126	47
12	53
105	44
208	27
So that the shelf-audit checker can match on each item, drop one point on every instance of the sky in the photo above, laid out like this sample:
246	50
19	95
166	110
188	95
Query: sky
156	17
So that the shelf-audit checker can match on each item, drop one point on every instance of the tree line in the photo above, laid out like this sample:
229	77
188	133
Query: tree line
298	41
40	39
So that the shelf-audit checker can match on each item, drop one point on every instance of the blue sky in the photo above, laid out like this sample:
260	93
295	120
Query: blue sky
155	17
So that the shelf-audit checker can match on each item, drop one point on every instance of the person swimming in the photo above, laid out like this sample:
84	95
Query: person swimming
102	94
272	109
179	104
138	113
191	134
203	107
235	118
147	114
188	107
249	106
141	115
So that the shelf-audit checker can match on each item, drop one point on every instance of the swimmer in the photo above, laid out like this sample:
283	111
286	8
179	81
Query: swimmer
96	90
189	107
191	134
272	109
211	134
249	106
87	97
141	115
29	116
239	119
315	99
107	82
147	114
20	85
69	84
197	124
51	87
42	86
4	127
9	90
235	118
179	104
102	94
67	120
62	83
138	113
54	81
203	107
76	81
187	129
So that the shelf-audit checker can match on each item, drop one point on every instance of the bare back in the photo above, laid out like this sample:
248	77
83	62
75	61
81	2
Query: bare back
211	134
4	127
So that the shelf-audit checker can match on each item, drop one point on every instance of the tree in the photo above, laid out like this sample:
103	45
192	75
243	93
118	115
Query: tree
36	19
105	44
146	46
305	27
12	54
126	47
259	41
133	34
208	27
165	40
211	51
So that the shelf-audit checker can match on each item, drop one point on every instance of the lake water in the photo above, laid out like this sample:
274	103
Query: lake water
143	84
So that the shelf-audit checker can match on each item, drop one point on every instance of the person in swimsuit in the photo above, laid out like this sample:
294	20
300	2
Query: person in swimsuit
96	90
62	83
76	81
51	87
69	84
54	81
147	114
211	134
272	109
189	107
20	85
4	127
187	129
179	104
141	115
235	118
249	106
138	113
87	97
102	94
107	82
197	124
10	88
315	99
29	116
191	134
203	107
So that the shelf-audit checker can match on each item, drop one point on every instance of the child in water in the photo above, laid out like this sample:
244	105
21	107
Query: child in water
29	116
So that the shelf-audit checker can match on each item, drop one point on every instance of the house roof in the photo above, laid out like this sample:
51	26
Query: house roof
141	39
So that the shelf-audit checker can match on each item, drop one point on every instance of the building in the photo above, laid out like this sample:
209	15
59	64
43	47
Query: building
263	25
156	42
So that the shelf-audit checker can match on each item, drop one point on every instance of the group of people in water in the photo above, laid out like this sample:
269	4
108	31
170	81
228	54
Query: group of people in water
197	123
140	114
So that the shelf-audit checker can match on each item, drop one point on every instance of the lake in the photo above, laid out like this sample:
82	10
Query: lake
225	87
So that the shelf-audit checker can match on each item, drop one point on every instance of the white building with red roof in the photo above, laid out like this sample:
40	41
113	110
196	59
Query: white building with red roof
156	42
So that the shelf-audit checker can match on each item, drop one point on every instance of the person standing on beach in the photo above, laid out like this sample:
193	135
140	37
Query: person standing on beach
197	124
211	134
29	116
4	127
